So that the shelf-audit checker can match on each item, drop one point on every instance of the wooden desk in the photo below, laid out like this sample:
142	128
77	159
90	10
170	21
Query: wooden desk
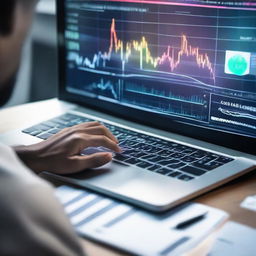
227	197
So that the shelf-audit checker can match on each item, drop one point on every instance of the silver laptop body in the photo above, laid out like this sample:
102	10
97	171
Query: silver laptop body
93	85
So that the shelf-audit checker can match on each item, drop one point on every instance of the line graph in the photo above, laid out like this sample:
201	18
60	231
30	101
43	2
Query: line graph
104	87
171	58
110	89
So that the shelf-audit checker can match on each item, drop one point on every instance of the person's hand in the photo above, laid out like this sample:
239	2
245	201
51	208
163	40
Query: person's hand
61	152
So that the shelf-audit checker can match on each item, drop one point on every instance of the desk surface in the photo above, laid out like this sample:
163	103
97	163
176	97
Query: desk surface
227	197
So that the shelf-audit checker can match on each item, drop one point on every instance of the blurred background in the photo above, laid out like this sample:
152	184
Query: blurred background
37	78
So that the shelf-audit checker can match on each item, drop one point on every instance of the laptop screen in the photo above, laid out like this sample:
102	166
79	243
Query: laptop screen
187	62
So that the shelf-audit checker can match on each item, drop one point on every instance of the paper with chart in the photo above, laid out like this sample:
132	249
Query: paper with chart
135	230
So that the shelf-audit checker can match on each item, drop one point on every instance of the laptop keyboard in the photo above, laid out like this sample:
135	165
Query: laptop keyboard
148	152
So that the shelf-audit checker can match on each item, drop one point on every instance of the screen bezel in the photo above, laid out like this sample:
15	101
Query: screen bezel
222	138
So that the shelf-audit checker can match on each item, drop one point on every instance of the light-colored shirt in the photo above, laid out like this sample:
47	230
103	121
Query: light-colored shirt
32	221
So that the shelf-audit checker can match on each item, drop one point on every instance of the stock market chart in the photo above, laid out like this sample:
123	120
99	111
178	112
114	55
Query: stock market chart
193	63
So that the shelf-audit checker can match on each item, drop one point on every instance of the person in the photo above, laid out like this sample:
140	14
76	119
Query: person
32	221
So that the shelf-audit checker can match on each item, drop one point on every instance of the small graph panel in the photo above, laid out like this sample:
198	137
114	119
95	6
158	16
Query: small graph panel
232	112
192	103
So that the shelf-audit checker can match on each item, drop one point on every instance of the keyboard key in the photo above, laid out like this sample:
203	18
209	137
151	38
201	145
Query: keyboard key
132	161
41	127
50	124
213	165
144	136
208	166
135	138
69	117
169	162
116	133
181	148
59	121
28	130
177	165
204	161
36	129
185	177
189	151
121	157
175	148
61	126
138	154
54	130
70	124
35	133
177	155
213	155
164	171
148	156
157	159
224	159
128	151
174	174
44	136
188	159
147	148
159	145
155	150
165	153
192	170
199	154
140	145
130	144
172	144
76	122
151	141
144	164
154	167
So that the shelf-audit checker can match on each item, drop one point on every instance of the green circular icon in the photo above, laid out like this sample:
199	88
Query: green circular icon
237	64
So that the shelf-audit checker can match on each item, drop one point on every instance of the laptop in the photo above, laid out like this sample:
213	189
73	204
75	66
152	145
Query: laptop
174	81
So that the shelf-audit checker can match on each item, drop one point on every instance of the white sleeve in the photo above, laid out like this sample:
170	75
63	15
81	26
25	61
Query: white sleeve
32	221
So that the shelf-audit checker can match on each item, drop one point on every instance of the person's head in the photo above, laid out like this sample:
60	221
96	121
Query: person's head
15	20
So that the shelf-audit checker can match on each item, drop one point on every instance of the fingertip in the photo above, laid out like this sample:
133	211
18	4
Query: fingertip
114	139
108	156
117	149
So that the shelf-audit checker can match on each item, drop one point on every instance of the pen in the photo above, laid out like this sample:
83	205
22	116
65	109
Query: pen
191	221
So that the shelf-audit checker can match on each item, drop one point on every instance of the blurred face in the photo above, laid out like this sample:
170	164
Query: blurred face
11	46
